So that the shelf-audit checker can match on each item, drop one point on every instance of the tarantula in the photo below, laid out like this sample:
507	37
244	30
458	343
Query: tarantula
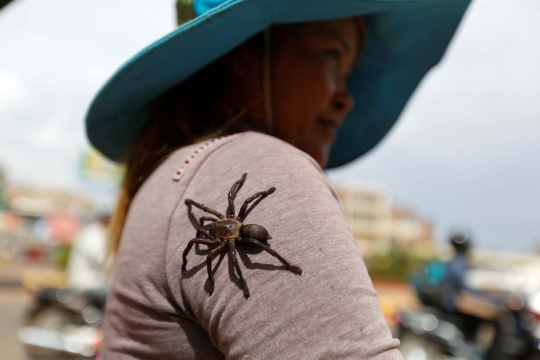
229	231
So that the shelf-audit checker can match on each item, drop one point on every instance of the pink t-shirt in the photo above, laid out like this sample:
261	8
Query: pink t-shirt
157	311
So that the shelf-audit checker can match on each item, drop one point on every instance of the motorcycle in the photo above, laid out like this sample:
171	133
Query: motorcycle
63	324
426	334
429	334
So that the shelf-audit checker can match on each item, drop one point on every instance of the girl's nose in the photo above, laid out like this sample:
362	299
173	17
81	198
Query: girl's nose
343	101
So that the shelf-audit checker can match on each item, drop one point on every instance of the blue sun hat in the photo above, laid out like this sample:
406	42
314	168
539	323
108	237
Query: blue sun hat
405	39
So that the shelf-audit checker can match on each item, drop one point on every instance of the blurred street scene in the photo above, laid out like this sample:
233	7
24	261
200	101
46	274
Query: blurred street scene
498	302
53	280
464	155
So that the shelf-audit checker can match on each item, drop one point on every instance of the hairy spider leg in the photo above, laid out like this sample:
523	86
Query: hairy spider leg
204	208
241	214
209	264
232	194
207	234
232	254
202	219
207	227
190	245
294	269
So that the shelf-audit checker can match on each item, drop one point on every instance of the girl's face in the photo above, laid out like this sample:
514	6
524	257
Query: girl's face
310	68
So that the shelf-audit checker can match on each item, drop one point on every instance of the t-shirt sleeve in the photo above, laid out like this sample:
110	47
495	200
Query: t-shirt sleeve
330	311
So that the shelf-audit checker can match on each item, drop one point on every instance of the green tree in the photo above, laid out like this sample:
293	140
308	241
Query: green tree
394	264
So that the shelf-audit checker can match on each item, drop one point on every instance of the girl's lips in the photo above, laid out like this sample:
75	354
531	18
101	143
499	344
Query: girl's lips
330	127
329	122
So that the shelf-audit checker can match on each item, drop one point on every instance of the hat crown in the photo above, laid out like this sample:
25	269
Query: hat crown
187	10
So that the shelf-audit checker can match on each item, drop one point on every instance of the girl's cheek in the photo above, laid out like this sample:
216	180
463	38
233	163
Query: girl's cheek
328	84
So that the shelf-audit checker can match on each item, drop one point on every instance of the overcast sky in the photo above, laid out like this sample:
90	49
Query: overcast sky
465	152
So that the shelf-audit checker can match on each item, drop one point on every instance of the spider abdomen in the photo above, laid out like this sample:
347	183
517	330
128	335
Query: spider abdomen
227	229
255	231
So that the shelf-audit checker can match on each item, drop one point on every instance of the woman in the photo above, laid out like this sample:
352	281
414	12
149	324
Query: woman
279	93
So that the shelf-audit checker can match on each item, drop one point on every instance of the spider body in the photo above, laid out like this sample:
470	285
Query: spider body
225	230
228	231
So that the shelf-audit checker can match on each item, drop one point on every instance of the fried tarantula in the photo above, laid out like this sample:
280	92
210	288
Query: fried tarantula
229	231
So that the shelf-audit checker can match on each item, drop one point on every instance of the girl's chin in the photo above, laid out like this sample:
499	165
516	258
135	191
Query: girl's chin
321	154
327	133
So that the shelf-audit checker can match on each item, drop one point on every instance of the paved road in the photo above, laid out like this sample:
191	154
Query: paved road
13	304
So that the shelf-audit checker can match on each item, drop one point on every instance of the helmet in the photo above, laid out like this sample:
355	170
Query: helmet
460	240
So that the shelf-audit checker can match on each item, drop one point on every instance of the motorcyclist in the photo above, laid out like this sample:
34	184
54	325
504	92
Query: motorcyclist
468	307
454	282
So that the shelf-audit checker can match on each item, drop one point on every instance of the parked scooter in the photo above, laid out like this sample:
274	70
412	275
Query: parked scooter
425	334
63	324
429	334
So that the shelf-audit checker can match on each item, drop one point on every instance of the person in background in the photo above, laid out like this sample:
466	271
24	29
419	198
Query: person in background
86	270
455	279
470	307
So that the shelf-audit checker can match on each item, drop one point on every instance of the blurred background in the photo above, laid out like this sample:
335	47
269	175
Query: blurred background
464	154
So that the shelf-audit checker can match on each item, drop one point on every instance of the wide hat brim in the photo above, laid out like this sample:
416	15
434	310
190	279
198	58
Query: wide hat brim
406	38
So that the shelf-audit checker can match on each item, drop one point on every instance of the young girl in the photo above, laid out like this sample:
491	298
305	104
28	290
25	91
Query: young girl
247	99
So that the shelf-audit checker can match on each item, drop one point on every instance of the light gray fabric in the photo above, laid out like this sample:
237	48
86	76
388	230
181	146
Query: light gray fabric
156	311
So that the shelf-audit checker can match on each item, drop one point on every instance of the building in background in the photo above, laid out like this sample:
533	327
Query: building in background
369	214
410	228
378	223
40	221
48	216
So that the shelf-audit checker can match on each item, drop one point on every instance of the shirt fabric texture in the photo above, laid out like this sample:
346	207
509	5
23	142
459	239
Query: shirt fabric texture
157	311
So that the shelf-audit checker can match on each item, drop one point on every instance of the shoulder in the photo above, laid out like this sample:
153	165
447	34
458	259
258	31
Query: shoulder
267	160
265	145
258	148
247	147
208	163
225	159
